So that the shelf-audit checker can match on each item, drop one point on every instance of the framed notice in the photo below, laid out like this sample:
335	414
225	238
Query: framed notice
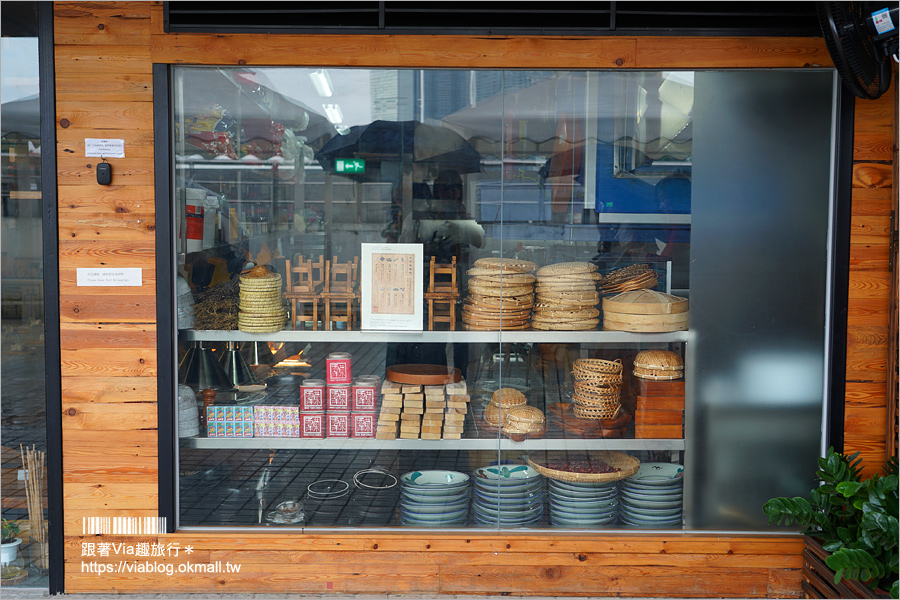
391	287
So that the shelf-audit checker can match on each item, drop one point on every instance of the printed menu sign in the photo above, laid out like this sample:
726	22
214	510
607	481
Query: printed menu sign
391	286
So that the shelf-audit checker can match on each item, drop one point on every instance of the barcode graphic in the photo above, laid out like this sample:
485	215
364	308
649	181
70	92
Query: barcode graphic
123	525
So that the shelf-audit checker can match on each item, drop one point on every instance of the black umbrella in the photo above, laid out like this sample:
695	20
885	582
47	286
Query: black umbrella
398	140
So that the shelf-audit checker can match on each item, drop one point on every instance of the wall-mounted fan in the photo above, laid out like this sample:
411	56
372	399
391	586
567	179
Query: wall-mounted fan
861	38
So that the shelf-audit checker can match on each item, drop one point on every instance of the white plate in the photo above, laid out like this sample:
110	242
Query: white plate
650	503
446	498
438	478
582	523
436	518
433	509
506	474
650	513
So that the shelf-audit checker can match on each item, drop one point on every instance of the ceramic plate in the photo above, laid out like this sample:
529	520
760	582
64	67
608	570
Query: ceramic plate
650	513
442	479
506	513
506	474
580	523
641	519
670	488
575	496
436	518
568	504
650	503
495	500
579	486
445	498
583	514
657	473
526	492
434	509
664	495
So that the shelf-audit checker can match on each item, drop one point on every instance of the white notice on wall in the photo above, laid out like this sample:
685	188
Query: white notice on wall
110	277
104	148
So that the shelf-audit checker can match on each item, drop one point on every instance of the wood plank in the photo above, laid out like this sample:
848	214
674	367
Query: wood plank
863	312
557	580
860	420
125	59
138	443
97	469
872	201
83	86
871	175
116	198
125	171
107	227
784	583
101	23
101	115
863	394
446	51
870	257
868	336
94	416
108	389
97	254
866	363
118	308
730	52
102	496
870	229
81	336
869	284
873	128
125	362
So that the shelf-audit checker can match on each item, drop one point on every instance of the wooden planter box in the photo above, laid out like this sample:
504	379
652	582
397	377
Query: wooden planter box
818	578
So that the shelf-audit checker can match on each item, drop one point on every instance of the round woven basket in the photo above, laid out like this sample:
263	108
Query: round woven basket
596	378
586	408
627	465
597	365
600	393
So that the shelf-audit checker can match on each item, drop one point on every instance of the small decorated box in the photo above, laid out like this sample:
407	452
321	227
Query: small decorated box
312	424
276	421
363	425
337	424
339	397
229	421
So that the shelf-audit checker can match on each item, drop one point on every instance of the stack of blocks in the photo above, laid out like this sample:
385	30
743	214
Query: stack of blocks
659	409
430	412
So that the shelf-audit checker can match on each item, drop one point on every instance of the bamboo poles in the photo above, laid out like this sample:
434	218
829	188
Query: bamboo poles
33	463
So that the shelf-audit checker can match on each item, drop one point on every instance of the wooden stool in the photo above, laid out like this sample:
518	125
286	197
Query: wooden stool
442	294
340	289
303	287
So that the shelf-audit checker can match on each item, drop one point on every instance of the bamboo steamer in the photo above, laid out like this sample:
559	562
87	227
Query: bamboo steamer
645	302
645	311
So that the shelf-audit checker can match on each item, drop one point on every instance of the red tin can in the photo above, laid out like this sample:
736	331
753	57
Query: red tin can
312	395
339	397
365	392
337	424
337	368
363	425
312	425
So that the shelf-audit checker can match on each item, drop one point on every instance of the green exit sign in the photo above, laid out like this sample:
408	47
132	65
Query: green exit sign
350	165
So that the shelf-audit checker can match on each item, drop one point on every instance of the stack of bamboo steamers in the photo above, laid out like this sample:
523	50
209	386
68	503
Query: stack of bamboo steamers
566	297
501	295
260	304
598	386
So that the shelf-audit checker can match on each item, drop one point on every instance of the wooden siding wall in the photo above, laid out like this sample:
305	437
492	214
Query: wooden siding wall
104	53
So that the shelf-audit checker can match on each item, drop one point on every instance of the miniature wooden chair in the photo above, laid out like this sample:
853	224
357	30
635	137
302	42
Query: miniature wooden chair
303	287
341	291
442	294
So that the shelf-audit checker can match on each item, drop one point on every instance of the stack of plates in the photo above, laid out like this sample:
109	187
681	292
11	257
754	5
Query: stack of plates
508	496
652	497
434	498
566	297
583	503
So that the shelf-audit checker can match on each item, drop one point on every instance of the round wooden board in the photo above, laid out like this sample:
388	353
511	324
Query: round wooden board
423	374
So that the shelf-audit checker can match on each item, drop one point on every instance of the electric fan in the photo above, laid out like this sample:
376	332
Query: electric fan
861	38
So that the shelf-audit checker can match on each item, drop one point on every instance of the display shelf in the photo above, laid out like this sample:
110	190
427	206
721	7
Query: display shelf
338	444
462	337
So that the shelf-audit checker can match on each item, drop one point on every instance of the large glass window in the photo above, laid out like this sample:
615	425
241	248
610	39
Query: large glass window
448	298
25	560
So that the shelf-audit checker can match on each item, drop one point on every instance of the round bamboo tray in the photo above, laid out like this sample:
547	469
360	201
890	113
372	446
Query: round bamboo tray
658	360
627	465
644	323
645	302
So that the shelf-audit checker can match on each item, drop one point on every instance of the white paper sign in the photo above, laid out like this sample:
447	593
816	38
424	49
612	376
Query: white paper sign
104	148
391	287
110	277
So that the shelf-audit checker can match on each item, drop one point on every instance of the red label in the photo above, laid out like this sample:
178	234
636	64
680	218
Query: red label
312	426
338	424
338	370
364	426
194	222
363	398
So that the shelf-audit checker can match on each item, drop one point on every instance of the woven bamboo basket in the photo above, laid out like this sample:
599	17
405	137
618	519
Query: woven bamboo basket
627	465
596	378
595	413
598	365
599	392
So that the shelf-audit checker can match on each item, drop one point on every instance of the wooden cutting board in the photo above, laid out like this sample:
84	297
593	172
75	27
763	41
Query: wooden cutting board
423	374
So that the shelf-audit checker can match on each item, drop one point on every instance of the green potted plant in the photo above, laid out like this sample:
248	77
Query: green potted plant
9	545
853	520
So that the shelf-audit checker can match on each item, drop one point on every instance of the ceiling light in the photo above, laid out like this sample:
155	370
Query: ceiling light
333	113
321	80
